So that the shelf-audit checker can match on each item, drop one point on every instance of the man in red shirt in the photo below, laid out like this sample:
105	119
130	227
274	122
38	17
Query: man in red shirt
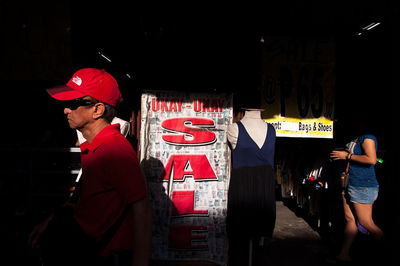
113	207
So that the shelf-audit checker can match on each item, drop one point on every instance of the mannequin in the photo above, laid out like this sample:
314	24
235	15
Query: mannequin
251	197
255	126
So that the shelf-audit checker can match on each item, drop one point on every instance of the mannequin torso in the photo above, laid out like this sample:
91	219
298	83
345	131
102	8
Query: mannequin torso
251	196
255	127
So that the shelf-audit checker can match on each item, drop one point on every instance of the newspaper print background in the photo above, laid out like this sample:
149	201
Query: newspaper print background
186	161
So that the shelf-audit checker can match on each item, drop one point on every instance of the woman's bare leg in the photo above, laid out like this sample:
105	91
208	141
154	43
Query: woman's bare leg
350	232
364	216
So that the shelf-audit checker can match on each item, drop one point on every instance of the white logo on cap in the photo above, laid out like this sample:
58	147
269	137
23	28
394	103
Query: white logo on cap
77	80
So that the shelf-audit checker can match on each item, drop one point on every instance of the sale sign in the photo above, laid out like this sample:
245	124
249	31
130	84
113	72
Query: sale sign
186	162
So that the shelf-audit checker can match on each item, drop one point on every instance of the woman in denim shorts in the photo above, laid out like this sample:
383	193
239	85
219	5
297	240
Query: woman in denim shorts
362	190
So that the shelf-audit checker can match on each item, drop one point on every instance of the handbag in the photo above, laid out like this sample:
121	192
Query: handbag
344	177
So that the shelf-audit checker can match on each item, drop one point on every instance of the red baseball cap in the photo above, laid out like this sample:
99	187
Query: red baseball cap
93	82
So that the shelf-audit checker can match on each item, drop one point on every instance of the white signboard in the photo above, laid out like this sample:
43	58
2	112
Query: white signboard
186	161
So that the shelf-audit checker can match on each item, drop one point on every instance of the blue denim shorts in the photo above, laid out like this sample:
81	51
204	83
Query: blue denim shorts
363	195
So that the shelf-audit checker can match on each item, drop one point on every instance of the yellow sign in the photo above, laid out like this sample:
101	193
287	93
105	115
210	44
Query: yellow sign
305	128
298	82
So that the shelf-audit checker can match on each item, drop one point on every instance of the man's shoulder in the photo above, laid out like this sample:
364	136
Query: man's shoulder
116	144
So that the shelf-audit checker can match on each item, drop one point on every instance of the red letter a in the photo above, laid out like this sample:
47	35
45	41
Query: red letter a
189	165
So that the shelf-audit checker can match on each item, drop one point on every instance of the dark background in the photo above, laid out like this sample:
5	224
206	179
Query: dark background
197	47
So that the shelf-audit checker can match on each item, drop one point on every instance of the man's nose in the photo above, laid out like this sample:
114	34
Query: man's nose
67	111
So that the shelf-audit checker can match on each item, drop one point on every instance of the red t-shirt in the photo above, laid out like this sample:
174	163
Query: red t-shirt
111	180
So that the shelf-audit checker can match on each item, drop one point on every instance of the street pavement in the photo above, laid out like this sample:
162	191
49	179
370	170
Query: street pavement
295	243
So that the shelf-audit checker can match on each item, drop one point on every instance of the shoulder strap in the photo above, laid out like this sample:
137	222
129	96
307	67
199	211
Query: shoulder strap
108	235
351	148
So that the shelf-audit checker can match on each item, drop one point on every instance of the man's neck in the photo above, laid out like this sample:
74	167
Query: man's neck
90	131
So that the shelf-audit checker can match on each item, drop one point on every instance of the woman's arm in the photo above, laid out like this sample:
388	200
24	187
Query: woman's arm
369	156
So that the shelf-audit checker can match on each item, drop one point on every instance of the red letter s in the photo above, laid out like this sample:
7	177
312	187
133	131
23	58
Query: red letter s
189	131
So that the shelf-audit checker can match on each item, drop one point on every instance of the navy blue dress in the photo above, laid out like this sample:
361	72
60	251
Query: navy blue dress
251	196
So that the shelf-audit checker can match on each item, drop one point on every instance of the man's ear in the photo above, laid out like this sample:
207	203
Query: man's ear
99	110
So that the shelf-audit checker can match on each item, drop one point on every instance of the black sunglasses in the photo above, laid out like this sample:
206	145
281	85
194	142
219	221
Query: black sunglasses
74	104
